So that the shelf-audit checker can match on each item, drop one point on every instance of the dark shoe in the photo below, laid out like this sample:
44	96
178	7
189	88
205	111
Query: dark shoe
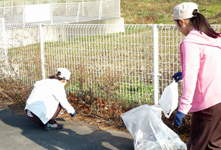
41	124
53	126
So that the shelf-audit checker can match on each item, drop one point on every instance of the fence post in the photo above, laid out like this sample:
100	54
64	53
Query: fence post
12	7
3	7
66	7
156	64
23	20
51	13
119	8
100	10
4	40
79	6
82	7
41	34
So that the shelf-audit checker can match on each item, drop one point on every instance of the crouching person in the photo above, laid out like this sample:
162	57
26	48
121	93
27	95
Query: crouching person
47	98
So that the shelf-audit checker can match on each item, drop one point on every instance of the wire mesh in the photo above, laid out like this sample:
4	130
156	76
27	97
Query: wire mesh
169	58
23	52
112	57
68	11
114	61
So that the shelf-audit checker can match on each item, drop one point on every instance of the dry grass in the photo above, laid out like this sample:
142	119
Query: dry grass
152	11
108	107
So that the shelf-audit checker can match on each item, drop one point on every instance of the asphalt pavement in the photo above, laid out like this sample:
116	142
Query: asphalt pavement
19	133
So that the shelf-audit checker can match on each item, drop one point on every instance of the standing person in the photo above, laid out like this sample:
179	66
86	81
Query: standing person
47	98
200	53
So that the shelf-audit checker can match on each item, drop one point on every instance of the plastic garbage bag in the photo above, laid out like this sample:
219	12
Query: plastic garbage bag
169	99
148	130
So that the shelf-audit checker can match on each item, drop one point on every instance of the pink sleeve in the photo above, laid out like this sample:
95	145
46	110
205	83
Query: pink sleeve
190	62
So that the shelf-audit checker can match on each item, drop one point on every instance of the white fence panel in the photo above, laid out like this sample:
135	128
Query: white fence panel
169	57
104	59
103	53
61	12
23	51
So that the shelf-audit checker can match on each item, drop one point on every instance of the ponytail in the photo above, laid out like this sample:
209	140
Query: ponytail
201	24
56	76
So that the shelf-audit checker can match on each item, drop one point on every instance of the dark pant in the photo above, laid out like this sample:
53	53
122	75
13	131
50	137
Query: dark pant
35	118
205	131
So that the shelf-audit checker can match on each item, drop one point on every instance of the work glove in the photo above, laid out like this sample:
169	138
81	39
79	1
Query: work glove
72	115
178	118
177	76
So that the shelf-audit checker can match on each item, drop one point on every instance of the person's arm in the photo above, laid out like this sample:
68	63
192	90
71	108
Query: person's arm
190	61
61	96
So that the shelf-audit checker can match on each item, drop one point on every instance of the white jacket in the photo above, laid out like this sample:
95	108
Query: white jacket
45	97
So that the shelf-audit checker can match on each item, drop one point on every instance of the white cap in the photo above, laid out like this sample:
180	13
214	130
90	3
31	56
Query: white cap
64	73
184	10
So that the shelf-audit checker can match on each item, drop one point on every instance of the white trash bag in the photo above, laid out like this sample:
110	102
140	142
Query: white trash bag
148	130
169	99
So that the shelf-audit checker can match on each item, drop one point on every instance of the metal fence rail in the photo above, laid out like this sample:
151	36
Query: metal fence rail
128	62
33	2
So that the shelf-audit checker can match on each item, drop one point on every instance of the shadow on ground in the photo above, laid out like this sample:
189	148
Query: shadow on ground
17	132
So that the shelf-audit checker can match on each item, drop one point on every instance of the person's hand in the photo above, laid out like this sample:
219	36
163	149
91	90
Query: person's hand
178	118
177	76
72	115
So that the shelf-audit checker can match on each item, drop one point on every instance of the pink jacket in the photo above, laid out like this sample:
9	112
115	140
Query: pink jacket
201	72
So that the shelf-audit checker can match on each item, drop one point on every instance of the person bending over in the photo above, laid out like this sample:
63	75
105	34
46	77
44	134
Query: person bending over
47	98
